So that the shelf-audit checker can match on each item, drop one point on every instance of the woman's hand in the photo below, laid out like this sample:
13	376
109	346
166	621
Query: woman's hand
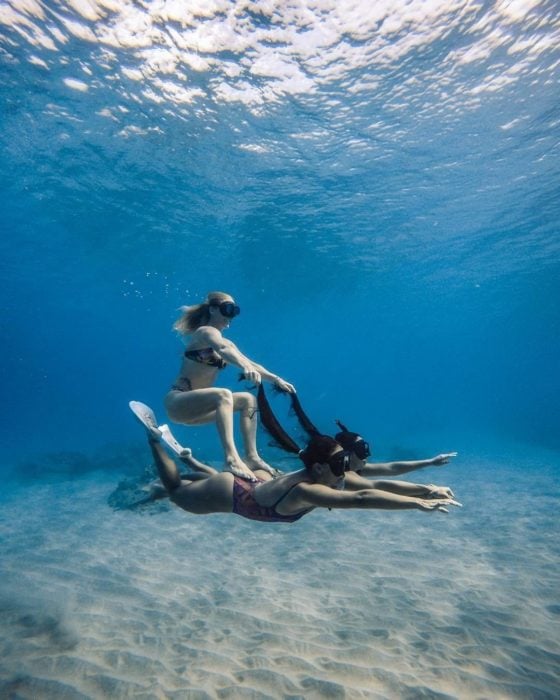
424	504
443	459
439	492
284	386
251	375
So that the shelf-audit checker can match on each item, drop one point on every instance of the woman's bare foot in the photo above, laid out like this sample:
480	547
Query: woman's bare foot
238	468
256	462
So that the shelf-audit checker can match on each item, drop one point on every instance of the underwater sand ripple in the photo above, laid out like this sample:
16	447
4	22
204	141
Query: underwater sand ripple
97	604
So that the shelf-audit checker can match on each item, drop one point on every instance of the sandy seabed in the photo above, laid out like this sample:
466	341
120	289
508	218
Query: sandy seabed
96	603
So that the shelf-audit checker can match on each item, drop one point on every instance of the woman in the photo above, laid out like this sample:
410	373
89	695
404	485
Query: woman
193	399
359	450
286	498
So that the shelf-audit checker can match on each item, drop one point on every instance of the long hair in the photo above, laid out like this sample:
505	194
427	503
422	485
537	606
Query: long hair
270	423
318	449
300	414
193	317
346	438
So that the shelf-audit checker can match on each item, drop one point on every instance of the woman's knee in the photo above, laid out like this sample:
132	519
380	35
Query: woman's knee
190	407
243	400
224	397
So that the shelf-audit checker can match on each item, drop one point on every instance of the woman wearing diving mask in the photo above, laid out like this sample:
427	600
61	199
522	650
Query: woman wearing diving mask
358	450
287	498
193	399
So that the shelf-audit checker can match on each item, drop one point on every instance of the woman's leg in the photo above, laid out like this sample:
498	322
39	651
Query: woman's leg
166	467
246	404
202	406
212	494
196	464
183	453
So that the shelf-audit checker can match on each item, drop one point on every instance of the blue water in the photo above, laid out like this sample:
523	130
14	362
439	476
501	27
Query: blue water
378	187
381	197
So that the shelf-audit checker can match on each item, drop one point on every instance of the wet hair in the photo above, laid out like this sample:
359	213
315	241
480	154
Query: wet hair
280	437
192	317
318	449
303	420
346	438
353	442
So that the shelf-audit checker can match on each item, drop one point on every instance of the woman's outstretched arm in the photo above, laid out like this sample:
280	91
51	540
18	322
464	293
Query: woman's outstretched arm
397	468
230	353
355	482
324	497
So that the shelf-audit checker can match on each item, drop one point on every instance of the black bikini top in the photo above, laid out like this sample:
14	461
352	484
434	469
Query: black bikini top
206	356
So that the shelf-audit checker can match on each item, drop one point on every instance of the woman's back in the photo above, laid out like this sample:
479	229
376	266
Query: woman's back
273	491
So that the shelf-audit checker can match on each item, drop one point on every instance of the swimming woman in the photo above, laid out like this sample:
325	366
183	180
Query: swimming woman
194	400
286	498
356	446
359	451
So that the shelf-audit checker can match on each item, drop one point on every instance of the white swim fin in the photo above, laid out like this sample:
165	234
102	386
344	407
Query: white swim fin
146	416
169	439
